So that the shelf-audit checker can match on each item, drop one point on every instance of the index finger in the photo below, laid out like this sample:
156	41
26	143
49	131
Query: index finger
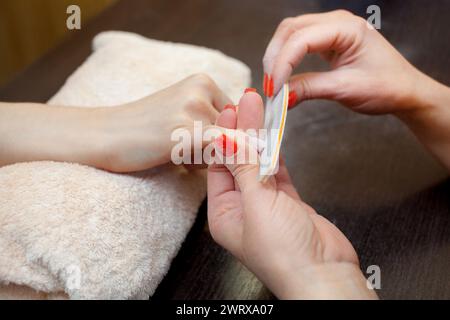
312	39
282	34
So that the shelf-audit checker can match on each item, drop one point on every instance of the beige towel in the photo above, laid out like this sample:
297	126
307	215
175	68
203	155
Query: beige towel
76	231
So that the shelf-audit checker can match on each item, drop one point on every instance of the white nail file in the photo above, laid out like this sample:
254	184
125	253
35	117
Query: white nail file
274	123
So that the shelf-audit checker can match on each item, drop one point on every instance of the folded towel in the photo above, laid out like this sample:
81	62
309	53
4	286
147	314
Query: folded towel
76	231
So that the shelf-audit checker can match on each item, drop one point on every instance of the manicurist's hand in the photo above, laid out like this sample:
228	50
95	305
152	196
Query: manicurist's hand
367	74
296	252
130	137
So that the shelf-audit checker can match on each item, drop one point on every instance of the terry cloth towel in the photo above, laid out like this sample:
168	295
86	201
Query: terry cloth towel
69	230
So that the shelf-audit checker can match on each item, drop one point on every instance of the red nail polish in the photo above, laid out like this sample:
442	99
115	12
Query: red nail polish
270	87
292	99
265	84
227	145
249	90
230	106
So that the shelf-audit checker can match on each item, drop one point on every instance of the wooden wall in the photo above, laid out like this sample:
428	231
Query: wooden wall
29	28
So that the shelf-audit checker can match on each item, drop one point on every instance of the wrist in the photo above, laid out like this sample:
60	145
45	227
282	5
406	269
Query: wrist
429	119
337	280
87	138
112	135
425	100
128	140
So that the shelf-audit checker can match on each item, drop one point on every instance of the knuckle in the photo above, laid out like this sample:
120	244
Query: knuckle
305	88
195	101
203	80
197	107
343	13
192	99
286	22
241	171
297	35
359	22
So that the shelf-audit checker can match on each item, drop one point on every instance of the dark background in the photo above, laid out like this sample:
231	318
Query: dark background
30	28
368	175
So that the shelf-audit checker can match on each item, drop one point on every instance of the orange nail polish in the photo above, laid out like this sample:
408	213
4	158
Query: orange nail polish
230	106
270	87
249	90
292	99
227	146
265	84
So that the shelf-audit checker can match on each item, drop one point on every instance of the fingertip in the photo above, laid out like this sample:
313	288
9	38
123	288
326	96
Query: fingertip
293	99
277	83
250	97
230	106
251	111
225	145
265	81
268	85
227	118
267	60
280	75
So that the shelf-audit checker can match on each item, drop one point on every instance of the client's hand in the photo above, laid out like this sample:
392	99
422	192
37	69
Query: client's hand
296	252
140	132
130	137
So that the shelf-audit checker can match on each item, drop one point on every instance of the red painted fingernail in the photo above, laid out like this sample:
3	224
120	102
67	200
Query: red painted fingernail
270	87
230	106
250	90
292	99
265	84
227	146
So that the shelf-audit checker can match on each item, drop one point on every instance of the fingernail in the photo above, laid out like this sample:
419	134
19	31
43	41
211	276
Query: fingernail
270	87
230	106
227	146
292	99
250	90
265	84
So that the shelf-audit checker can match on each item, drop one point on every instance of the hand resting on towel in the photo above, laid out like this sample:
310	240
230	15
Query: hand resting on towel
126	138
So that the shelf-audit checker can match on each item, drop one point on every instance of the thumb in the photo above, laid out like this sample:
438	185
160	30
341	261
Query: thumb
313	85
239	153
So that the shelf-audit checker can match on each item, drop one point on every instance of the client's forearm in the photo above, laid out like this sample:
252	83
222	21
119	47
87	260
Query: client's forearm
430	120
33	132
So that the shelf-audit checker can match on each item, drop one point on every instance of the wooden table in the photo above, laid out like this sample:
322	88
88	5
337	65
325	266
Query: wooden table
366	174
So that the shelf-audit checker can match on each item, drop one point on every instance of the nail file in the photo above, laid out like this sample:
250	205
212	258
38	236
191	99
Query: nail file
274	122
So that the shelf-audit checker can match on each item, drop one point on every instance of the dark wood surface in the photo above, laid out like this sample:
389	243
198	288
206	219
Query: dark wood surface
366	174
